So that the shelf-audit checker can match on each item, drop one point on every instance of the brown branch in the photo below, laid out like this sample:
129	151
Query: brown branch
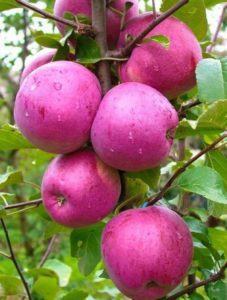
24	204
99	24
194	286
130	46
179	171
215	37
48	251
80	28
14	260
182	111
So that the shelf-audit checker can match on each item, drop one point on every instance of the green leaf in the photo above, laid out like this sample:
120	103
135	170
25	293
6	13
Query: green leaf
218	239
11	286
198	229
87	50
53	228
150	177
136	186
202	256
11	138
209	3
211	77
217	161
161	39
217	290
193	10
85	245
75	295
216	209
10	178
8	4
46	287
47	41
196	296
205	182
62	270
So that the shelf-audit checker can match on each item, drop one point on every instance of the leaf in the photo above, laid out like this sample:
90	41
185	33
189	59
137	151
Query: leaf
196	296
8	4
85	245
217	161
10	178
216	209
193	10
218	239
205	182
46	287
87	50
11	286
198	229
47	41
62	270
150	177
209	3
217	290
11	138
75	295
161	39
211	77
53	228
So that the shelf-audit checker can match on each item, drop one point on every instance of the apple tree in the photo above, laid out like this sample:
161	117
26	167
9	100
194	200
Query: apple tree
113	134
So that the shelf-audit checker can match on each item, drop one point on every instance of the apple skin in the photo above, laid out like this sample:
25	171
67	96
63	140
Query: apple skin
84	7
89	187
56	105
41	58
171	71
147	251
134	127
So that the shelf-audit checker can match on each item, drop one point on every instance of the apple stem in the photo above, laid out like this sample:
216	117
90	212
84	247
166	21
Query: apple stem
190	288
14	260
179	171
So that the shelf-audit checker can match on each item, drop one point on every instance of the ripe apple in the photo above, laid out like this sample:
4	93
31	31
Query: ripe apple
147	251
78	189
134	127
41	58
113	16
171	71
56	105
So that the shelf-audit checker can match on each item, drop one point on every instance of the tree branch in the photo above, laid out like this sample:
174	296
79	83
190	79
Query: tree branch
129	47
48	251
80	28
13	258
182	111
154	9
178	172
194	286
99	24
215	37
24	204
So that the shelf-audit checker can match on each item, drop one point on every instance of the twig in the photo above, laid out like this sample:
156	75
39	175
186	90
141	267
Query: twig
154	9
99	24
80	28
194	286
48	251
179	171
5	255
215	37
129	47
184	108
24	204
12	255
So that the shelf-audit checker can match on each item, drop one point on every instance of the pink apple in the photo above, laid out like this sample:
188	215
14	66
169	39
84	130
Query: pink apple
84	7
78	189
56	105
147	251
41	58
171	71
134	127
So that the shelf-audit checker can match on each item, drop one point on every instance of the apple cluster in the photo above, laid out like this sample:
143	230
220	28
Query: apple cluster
60	109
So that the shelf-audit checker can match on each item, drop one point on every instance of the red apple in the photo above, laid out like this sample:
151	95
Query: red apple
134	127
171	71
83	7
147	251
56	105
78	189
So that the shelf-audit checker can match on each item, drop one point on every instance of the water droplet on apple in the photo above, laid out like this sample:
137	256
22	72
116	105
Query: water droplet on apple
140	151
112	150
59	118
26	114
130	137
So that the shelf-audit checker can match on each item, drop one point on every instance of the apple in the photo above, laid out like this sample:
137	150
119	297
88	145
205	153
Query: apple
83	7
147	251
171	71
134	127
56	105
78	189
41	58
